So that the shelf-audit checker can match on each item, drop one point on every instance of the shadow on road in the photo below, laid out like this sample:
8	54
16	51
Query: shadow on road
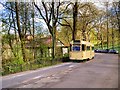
76	61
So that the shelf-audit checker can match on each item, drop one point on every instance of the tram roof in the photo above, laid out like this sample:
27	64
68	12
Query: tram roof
87	43
83	42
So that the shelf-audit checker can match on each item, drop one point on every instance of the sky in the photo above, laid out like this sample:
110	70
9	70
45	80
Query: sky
98	3
64	0
1	7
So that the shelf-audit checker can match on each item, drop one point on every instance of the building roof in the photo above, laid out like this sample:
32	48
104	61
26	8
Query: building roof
44	40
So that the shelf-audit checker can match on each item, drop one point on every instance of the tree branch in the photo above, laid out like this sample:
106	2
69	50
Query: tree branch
68	24
7	7
40	12
46	13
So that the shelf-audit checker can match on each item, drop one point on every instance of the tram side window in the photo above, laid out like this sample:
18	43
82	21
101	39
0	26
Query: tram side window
76	48
92	48
83	47
88	47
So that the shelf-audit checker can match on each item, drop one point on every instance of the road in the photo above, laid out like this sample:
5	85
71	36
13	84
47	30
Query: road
100	72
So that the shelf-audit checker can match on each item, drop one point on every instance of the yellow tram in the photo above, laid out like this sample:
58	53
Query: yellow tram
80	50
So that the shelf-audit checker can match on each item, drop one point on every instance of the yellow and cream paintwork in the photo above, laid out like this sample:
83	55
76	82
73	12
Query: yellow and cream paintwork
81	55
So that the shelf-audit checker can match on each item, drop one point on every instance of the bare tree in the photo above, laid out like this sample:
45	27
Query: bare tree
51	13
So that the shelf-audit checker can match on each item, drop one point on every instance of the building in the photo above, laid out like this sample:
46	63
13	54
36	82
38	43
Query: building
39	44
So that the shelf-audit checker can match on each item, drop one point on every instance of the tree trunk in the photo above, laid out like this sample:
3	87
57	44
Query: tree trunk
9	35
84	34
19	31
53	31
75	11
112	38
107	25
33	29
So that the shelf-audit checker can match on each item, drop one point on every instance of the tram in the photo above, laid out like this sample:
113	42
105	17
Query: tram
81	50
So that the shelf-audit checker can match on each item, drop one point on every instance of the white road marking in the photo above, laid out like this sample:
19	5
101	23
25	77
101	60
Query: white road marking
38	77
72	66
32	79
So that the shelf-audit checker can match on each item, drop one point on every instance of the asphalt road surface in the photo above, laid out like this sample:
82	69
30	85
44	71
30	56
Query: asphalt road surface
100	72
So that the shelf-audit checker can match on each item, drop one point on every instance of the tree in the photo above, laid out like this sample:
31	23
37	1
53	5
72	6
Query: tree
50	14
75	12
114	23
88	14
19	31
65	34
25	13
116	6
9	22
106	4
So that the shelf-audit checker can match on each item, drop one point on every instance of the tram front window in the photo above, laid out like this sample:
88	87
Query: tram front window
76	48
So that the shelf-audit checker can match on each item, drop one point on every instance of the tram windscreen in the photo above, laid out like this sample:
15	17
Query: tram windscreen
76	48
